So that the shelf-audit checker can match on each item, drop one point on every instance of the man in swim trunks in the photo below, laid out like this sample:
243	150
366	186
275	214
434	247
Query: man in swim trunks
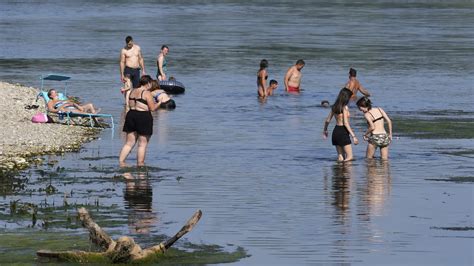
354	85
293	77
131	61
161	63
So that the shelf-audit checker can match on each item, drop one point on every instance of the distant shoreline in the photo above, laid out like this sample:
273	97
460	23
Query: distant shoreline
21	140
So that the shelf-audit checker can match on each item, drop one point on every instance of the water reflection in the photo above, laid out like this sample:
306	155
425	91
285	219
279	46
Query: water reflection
341	186
138	196
377	187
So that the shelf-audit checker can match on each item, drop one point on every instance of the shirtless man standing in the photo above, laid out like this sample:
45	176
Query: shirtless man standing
131	60
354	85
293	77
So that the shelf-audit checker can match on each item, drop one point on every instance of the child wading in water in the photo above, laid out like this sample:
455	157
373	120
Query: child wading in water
342	131
127	86
376	136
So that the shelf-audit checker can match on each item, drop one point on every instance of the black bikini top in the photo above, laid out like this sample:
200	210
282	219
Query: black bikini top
381	116
141	100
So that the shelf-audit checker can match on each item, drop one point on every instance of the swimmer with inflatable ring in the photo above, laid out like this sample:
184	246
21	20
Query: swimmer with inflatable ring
161	97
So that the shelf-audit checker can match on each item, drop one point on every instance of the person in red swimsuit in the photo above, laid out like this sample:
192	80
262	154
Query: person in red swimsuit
293	77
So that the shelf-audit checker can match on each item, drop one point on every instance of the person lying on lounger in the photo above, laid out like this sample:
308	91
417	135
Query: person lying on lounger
55	105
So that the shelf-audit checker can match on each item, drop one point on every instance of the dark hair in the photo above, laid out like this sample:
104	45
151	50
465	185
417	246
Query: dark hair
50	91
364	102
155	85
273	82
128	39
325	103
164	46
263	64
300	62
352	72
145	79
341	101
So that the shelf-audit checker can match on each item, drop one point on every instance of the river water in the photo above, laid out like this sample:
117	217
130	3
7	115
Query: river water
261	173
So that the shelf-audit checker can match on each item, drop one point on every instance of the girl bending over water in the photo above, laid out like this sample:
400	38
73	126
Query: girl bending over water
376	136
342	131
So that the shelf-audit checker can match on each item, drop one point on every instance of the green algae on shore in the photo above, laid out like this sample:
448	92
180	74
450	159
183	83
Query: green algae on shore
434	128
454	228
455	179
21	247
469	153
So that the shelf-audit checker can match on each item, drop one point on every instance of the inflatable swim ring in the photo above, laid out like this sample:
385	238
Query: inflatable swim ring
172	86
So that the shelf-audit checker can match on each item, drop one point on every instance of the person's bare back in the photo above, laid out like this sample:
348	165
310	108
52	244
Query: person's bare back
354	85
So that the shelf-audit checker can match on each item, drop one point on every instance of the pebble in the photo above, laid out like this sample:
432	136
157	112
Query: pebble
20	138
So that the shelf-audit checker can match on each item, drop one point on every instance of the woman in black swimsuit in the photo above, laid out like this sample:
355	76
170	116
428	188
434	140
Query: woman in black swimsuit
139	121
342	131
262	77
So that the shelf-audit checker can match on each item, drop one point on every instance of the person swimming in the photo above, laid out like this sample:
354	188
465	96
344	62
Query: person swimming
160	96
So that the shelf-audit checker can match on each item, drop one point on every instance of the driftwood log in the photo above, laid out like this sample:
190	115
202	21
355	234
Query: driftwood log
121	251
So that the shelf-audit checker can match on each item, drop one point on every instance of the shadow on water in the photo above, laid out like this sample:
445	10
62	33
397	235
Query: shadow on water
138	196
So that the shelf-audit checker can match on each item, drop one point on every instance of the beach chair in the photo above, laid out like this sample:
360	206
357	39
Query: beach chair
70	116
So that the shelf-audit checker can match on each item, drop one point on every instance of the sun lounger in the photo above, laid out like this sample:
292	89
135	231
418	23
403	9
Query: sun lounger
69	117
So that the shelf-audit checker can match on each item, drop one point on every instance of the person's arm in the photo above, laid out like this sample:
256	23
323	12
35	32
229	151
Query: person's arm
287	78
263	81
370	127
78	107
364	91
347	125
161	58
389	122
141	61
122	65
152	106
158	65
51	107
326	124
127	99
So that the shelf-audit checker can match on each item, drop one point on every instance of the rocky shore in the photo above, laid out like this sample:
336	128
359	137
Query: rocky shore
21	140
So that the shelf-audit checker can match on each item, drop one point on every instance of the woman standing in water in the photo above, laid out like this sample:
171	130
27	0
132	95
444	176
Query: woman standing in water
376	136
342	131
262	77
139	121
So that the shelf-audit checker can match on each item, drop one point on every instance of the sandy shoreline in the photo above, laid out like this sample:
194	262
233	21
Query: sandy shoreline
21	139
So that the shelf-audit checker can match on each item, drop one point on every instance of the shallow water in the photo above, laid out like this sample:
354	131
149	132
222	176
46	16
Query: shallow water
261	172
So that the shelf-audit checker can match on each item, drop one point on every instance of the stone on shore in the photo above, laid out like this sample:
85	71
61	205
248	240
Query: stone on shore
20	139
